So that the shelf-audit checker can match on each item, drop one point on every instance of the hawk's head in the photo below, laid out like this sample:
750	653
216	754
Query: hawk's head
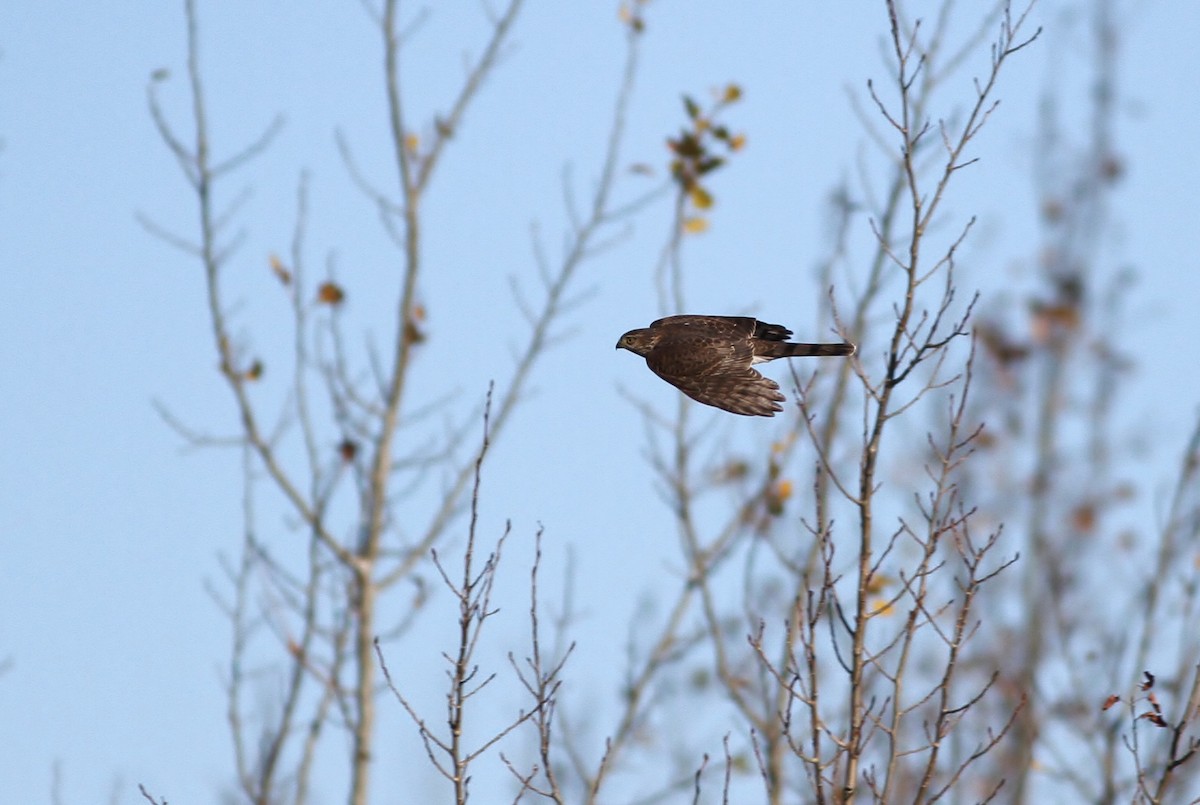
639	342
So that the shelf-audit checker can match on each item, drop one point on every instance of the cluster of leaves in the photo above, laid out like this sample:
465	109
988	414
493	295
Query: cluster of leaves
702	147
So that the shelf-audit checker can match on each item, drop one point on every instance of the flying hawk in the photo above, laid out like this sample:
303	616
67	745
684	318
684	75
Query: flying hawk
708	358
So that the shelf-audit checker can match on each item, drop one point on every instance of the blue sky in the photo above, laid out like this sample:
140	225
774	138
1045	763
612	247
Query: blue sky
109	528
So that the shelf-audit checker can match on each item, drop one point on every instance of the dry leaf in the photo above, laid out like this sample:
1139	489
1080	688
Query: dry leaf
280	270
878	583
1154	718
412	333
1083	518
330	293
735	470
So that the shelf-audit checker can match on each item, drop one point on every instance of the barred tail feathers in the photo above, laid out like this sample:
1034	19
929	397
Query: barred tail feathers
770	350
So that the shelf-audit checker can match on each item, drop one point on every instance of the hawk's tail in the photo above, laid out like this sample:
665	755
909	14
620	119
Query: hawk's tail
784	349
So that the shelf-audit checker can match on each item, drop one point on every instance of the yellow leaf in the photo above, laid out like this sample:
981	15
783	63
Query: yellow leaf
881	606
695	225
784	489
701	198
737	142
411	142
732	93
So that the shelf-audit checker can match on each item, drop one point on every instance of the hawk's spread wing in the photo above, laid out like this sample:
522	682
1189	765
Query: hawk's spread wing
739	391
708	359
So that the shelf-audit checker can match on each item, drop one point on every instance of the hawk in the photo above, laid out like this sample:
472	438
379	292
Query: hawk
708	358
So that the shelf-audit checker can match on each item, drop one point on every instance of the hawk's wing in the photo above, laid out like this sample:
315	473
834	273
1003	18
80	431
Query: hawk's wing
744	391
708	359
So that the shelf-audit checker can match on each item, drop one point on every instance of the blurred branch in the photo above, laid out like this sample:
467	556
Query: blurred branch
601	216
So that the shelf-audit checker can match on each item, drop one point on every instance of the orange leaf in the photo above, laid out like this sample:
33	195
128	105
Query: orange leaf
330	294
695	225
